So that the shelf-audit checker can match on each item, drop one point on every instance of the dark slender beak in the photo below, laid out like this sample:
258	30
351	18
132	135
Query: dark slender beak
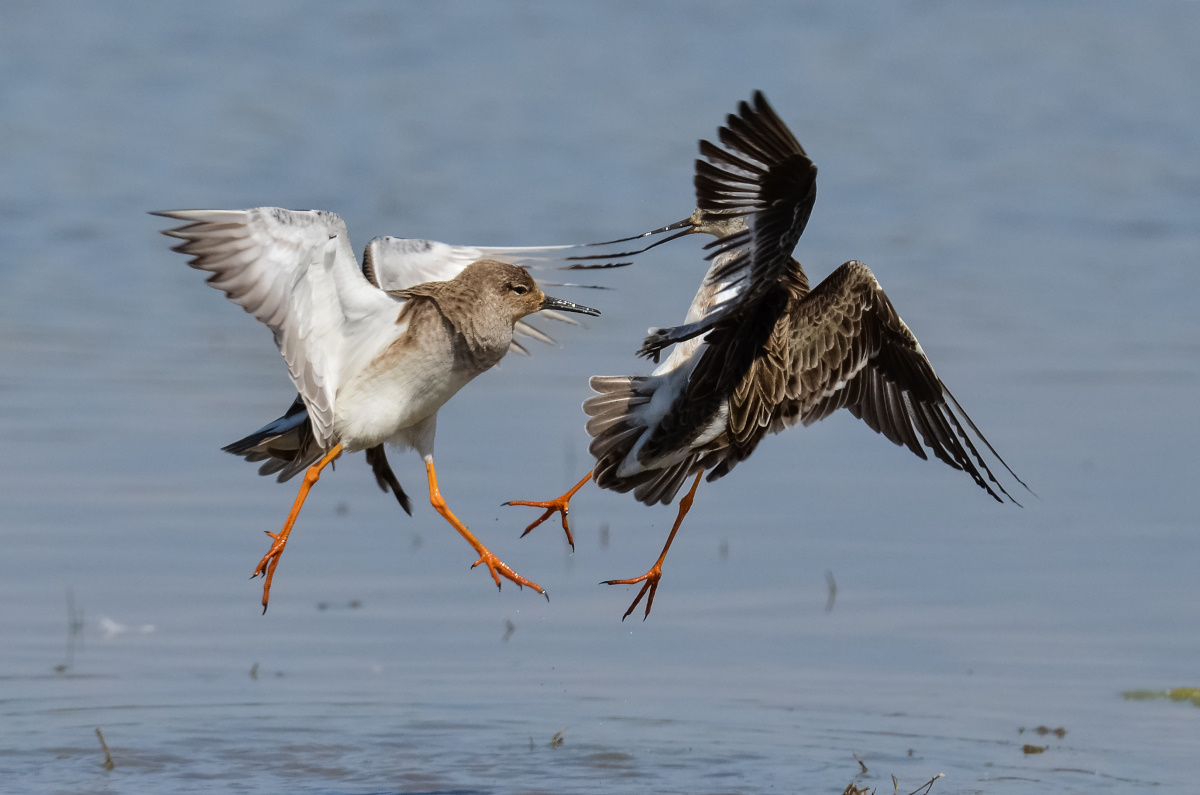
566	306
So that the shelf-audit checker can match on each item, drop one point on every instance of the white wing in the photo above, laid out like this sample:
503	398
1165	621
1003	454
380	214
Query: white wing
397	263
296	272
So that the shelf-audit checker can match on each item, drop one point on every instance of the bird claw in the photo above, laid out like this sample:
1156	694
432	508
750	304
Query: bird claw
649	582
497	568
266	569
560	505
272	555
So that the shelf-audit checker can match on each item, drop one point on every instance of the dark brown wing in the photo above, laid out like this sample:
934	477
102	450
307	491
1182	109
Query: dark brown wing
849	349
758	193
738	381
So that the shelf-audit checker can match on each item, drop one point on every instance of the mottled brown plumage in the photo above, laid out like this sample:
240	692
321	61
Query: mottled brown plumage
759	351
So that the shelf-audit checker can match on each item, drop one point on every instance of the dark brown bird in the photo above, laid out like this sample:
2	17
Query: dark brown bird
759	350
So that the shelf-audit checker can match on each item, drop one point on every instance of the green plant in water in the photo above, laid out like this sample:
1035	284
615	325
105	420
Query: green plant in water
1191	694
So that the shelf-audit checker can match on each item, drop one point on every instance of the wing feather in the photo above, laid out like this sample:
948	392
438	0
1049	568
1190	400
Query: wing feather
851	350
398	263
763	182
296	272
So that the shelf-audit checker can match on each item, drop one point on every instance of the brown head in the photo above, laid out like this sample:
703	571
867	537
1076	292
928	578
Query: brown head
510	291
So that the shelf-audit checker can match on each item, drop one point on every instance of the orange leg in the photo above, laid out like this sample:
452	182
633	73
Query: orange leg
651	578
494	564
266	566
562	504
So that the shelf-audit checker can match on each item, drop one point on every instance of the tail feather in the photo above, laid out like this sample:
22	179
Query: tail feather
665	483
287	446
617	424
291	422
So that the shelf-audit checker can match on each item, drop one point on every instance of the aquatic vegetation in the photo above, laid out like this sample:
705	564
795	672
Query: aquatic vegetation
1191	694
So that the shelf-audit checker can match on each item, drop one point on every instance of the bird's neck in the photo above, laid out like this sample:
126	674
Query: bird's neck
480	333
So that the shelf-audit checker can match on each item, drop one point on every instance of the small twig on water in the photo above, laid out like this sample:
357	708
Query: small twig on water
927	785
108	762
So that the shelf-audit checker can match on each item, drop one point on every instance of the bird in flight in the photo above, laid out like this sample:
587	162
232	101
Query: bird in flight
373	358
759	351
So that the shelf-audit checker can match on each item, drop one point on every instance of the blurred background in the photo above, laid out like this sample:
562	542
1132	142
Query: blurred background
1024	180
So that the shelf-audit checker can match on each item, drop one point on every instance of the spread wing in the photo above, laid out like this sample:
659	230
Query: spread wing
397	263
757	193
847	348
296	272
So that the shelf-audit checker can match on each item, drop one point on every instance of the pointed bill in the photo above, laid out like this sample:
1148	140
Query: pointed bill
560	305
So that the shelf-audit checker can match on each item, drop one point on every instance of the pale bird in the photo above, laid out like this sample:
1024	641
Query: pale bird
372	364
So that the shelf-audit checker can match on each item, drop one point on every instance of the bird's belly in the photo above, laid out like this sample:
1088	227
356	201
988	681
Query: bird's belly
373	410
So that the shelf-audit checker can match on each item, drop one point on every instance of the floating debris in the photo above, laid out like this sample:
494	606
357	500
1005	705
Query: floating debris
928	785
110	629
353	604
254	672
557	740
74	631
1034	749
108	762
854	789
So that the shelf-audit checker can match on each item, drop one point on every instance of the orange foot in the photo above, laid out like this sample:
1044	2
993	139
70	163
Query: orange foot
499	568
649	582
561	504
266	566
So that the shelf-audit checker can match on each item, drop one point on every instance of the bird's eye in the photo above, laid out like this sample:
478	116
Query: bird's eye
520	289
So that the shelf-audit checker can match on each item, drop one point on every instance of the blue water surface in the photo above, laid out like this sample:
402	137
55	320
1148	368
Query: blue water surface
1024	180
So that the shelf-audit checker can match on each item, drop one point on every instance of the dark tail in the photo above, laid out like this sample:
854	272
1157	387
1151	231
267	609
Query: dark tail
386	478
287	446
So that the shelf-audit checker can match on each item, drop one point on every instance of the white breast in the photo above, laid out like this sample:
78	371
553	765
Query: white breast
403	387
